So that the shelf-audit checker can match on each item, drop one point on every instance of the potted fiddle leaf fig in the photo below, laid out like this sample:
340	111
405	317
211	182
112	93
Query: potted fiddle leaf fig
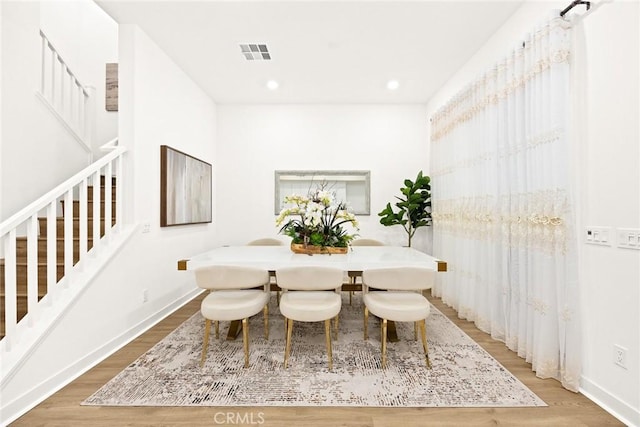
414	206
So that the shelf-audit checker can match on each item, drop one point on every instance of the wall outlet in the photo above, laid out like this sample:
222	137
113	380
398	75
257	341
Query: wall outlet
620	356
146	227
145	295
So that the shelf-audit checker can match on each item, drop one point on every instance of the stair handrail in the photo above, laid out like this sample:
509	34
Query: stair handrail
33	208
73	76
66	97
111	145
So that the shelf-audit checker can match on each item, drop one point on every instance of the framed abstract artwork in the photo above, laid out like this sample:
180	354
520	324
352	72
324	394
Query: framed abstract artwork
111	89
185	189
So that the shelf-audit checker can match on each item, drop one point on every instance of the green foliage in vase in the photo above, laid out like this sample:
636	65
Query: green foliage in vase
414	206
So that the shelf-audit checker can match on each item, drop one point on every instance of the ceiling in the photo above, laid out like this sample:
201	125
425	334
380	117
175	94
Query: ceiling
322	51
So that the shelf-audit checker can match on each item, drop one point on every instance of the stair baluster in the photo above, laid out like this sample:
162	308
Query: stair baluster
39	251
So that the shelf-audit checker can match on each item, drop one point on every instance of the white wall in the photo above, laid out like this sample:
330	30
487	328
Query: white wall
611	197
256	140
37	152
606	68
161	106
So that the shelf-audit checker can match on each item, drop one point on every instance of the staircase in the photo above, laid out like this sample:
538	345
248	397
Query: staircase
22	250
50	243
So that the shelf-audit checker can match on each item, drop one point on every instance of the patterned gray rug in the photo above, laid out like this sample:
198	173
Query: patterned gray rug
463	374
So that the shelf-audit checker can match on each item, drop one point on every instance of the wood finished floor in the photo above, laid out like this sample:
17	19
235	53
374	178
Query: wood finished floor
63	408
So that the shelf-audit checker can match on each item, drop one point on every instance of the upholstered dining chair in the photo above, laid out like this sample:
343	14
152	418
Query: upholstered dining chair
366	242
353	276
269	241
396	294
233	296
310	294
266	241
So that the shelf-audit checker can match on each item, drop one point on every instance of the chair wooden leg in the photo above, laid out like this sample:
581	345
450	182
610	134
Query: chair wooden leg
217	329
383	338
245	340
205	344
366	323
287	348
423	334
336	325
415	331
266	321
327	332
285	327
350	297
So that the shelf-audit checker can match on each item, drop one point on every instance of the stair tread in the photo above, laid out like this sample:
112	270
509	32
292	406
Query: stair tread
22	294
22	238
25	263
76	218
61	218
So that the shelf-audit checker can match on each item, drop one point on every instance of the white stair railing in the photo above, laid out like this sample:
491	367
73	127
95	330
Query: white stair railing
67	98
77	205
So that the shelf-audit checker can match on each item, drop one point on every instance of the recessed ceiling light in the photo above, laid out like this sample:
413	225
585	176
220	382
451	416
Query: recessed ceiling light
272	85
393	84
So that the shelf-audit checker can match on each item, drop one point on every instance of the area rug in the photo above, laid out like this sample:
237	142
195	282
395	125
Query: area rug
462	374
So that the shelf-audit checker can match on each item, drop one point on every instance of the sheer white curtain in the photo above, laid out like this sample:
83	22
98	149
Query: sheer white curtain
503	213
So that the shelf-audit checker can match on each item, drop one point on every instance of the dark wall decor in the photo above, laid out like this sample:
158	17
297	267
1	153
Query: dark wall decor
185	189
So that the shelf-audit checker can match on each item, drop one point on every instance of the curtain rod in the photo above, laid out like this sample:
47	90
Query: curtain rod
574	4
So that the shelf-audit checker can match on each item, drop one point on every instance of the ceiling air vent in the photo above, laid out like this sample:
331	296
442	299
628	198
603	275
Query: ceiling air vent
254	51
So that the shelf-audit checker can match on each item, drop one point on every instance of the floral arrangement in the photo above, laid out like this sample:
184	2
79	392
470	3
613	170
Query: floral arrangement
317	220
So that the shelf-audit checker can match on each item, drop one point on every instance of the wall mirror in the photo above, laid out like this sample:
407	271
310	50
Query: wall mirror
352	187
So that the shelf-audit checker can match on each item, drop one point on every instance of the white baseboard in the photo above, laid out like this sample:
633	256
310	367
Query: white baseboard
619	409
22	404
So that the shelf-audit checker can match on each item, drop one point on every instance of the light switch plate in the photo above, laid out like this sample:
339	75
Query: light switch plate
598	235
628	238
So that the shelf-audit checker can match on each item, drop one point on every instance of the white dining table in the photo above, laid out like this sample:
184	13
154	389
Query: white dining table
357	259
